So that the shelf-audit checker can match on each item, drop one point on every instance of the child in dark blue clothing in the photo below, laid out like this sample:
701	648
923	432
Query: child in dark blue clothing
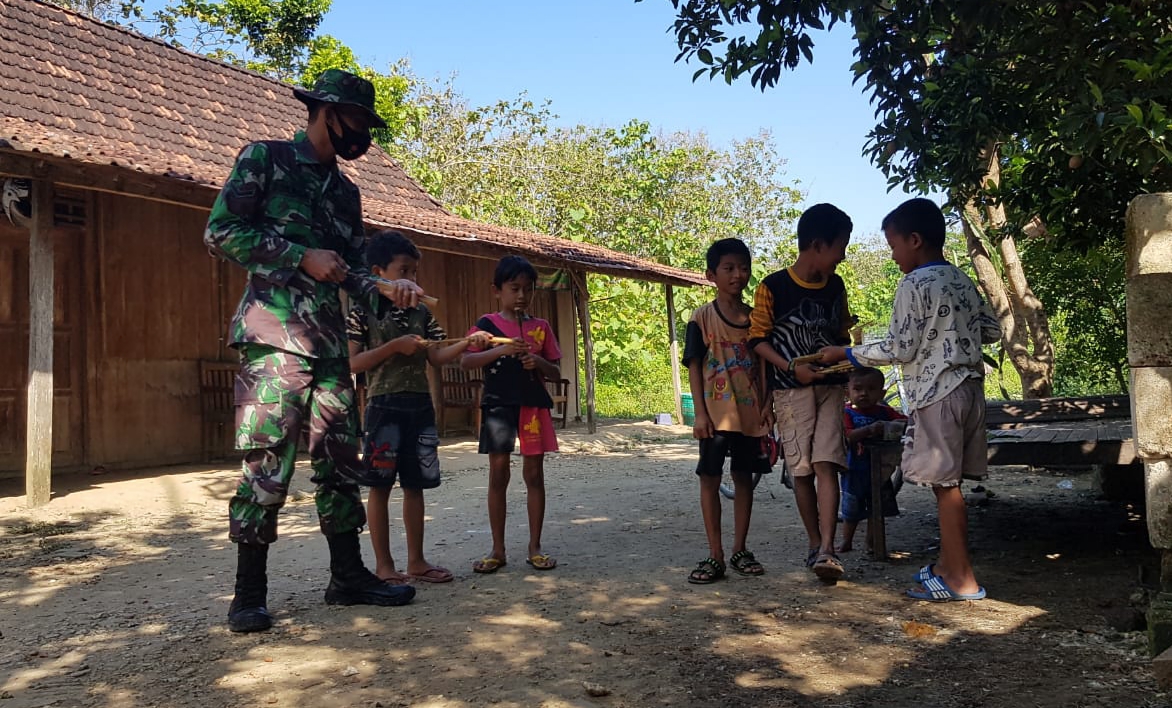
864	417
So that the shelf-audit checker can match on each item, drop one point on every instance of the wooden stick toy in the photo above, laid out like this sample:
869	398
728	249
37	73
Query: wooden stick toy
839	368
807	359
425	299
457	340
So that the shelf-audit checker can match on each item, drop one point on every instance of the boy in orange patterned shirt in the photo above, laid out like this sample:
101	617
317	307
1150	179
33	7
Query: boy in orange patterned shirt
721	374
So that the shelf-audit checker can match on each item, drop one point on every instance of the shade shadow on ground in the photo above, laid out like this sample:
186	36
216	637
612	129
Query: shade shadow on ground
118	599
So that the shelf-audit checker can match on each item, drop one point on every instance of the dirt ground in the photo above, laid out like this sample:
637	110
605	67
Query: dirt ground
115	595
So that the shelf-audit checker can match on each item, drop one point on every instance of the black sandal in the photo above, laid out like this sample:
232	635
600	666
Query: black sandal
706	571
745	564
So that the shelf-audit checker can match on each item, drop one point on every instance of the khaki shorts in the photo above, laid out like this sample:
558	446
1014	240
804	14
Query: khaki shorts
946	439
809	425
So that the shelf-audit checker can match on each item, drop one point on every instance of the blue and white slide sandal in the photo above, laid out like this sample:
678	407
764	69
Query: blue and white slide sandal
936	590
928	571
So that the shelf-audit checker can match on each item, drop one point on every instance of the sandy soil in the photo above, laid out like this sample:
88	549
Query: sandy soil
115	595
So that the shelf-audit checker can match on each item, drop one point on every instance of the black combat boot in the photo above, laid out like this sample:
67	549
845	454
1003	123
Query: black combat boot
350	581
247	612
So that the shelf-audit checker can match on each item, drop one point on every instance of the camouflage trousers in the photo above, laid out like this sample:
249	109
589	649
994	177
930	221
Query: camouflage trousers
278	396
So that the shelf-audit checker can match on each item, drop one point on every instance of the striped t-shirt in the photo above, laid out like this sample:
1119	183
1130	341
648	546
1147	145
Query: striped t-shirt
798	318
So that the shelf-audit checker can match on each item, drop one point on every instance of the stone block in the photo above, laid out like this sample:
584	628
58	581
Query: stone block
1160	629
1149	309
1149	234
1162	668
1151	399
1158	483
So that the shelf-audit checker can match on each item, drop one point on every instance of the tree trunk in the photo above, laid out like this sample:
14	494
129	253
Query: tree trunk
1025	328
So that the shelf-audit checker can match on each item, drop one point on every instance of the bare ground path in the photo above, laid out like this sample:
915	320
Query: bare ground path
115	595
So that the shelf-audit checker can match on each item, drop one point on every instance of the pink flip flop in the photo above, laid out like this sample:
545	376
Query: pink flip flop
434	574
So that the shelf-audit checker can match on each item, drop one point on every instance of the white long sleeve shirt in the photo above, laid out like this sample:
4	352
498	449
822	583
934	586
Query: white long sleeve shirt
937	328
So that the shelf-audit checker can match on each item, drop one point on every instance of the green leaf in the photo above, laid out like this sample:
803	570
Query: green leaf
1096	92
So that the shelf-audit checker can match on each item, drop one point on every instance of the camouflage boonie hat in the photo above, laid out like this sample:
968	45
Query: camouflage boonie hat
337	86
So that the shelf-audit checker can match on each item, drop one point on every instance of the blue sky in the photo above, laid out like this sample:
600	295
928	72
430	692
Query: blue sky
605	62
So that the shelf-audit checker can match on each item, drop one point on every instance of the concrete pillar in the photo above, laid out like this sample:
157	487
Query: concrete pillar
1149	354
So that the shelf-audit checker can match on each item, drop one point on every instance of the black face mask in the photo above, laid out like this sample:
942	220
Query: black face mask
351	144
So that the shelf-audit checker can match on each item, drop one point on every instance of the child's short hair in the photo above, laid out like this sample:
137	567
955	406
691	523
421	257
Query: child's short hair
382	248
511	268
920	216
823	223
726	247
865	372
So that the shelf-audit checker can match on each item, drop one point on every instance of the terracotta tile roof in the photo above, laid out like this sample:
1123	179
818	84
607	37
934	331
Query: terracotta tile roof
464	235
95	93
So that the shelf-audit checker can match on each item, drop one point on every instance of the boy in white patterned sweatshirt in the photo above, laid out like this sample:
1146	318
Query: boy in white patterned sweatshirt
937	328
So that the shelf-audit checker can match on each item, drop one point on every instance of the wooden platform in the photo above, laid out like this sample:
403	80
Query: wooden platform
1049	432
1061	432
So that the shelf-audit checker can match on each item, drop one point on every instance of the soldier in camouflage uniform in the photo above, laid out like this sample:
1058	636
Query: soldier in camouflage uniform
289	216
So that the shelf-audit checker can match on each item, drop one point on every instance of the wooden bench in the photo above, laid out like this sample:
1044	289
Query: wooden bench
1045	432
217	407
459	390
559	392
1059	432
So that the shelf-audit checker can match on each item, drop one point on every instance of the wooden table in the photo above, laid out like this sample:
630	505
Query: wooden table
877	525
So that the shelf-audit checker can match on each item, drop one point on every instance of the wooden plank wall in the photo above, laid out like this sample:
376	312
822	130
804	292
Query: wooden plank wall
157	313
464	286
140	302
69	334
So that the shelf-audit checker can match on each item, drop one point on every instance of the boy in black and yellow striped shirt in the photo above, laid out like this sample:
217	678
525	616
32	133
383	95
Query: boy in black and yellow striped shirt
796	312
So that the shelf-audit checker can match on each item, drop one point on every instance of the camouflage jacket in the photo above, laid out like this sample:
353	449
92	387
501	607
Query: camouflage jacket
278	202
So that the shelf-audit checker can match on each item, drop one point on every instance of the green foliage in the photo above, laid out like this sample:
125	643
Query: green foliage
100	9
661	197
268	36
1086	296
1067	106
391	90
1075	94
637	397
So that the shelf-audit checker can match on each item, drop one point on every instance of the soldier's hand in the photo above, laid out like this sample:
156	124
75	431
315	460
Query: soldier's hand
403	293
324	266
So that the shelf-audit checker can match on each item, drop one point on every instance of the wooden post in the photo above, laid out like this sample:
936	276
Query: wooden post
674	348
38	455
877	526
582	303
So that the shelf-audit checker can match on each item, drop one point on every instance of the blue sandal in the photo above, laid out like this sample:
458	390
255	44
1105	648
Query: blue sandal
928	571
936	590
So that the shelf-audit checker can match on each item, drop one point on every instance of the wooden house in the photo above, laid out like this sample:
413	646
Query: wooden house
109	301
